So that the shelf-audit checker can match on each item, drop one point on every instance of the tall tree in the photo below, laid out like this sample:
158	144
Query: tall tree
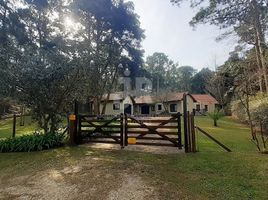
186	74
157	65
246	17
44	73
11	35
111	35
199	81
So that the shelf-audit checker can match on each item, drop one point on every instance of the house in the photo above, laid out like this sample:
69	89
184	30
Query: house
117	104
146	105
165	103
205	103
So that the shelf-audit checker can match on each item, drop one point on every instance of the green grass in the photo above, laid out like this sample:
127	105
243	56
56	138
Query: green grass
233	134
6	127
210	174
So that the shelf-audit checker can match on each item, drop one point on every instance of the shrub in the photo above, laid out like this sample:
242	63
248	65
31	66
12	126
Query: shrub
260	116
216	115
36	142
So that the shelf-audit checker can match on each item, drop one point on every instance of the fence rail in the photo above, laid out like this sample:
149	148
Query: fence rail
125	129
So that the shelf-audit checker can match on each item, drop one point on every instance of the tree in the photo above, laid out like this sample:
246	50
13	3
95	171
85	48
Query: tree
216	116
199	81
157	66
111	35
261	120
165	73
243	92
11	35
44	74
248	18
185	74
221	84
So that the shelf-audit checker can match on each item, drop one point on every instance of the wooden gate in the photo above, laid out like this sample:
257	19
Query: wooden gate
101	129
125	129
157	131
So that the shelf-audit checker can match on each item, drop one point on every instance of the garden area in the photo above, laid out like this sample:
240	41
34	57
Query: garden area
83	172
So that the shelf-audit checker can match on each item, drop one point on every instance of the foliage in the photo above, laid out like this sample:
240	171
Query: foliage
5	105
248	19
253	110
260	116
111	35
200	81
36	142
216	116
167	75
238	111
43	62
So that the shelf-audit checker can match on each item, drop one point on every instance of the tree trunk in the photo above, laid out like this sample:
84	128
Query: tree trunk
215	123
105	103
259	71
261	61
259	42
96	106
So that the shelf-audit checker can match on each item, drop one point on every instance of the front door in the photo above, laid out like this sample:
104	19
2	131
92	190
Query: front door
128	109
145	109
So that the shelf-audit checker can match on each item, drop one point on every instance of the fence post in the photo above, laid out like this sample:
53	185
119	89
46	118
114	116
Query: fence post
189	134
14	126
193	133
122	130
72	130
179	131
186	148
126	130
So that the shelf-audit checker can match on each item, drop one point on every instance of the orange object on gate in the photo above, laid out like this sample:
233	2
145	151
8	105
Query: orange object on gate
132	140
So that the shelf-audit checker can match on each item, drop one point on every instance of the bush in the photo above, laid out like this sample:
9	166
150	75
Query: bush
238	112
260	116
216	115
36	142
256	102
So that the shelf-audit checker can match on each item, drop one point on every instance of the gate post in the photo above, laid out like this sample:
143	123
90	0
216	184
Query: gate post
193	133
122	130
72	130
185	129
179	130
14	126
126	130
189	133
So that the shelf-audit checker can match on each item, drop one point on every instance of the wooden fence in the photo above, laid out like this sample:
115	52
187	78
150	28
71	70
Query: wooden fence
126	129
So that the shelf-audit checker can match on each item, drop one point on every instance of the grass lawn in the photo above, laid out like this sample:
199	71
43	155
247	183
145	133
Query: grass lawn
86	173
6	127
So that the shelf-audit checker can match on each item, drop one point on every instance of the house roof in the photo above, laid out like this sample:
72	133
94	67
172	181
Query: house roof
149	99
117	96
169	97
205	98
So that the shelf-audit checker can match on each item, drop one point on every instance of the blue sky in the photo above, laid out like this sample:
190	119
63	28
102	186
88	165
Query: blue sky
167	30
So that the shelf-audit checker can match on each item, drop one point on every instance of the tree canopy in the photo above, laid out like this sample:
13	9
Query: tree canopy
43	61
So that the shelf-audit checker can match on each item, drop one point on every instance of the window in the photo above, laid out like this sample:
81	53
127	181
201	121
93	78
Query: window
143	86
116	106
159	107
153	108
173	107
206	107
198	107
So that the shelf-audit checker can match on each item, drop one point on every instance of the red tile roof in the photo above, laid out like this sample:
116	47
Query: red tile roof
117	96
205	98
150	99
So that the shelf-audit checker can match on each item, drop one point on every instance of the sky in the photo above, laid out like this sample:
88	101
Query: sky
167	30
